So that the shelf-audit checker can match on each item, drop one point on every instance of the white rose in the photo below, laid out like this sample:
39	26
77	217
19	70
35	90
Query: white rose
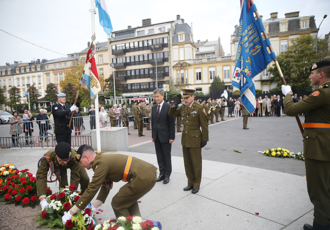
11	167
136	227
5	173
98	227
120	228
137	219
155	228
113	224
106	225
122	218
2	168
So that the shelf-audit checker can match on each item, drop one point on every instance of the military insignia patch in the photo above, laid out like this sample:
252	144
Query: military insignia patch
314	66
316	93
56	108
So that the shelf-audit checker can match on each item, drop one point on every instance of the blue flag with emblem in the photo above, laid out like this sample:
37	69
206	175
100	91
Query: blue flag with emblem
252	56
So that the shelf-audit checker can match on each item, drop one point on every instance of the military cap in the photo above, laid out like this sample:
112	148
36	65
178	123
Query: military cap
111	106
137	102
61	95
63	150
187	92
147	104
79	152
319	64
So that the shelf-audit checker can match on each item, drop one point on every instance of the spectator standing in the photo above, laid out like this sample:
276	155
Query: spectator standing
237	107
28	126
91	114
42	121
103	117
113	116
272	101
278	105
266	106
78	121
117	111
14	128
260	106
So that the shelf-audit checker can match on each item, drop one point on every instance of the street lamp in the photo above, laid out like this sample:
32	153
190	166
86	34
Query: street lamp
153	50
114	82
28	86
324	17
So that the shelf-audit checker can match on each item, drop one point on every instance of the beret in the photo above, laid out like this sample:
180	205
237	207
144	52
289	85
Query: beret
61	95
79	152
319	64
63	150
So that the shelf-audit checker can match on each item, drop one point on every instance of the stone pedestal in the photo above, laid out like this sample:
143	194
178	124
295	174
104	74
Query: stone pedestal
112	139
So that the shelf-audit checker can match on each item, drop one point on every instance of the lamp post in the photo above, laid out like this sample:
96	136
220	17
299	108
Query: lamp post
28	86
114	82
153	50
324	17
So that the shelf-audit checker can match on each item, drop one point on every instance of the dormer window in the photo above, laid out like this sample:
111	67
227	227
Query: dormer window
304	23
32	68
284	26
22	69
9	72
38	67
181	37
27	69
17	70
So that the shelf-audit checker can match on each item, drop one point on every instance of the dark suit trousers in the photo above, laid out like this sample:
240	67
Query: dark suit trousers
278	111
66	137
163	152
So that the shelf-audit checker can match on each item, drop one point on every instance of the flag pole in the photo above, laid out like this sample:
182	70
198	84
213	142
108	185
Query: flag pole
278	68
97	120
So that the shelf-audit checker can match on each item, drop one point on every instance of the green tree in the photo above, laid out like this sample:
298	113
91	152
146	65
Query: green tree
34	94
217	84
14	97
237	93
296	61
51	92
108	86
70	89
3	99
172	92
199	94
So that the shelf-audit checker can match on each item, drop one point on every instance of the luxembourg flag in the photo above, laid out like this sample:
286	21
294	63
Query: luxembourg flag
104	16
90	76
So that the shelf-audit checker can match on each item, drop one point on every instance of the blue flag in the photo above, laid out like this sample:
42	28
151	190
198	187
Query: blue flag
252	56
104	16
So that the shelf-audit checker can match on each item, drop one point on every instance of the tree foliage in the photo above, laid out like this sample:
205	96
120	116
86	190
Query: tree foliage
51	92
3	99
296	61
108	86
34	94
172	92
217	84
14	97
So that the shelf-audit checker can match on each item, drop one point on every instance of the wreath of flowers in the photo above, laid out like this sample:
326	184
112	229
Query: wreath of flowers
58	205
299	156
6	170
129	223
279	153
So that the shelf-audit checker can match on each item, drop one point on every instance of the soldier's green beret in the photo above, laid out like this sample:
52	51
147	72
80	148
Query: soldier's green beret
63	150
319	64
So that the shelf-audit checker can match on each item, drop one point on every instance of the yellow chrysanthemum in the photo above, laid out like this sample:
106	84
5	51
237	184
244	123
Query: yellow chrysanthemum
279	149
267	151
285	154
273	150
273	154
278	153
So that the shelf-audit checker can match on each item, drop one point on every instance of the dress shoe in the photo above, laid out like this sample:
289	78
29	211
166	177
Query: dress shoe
160	178
245	128
187	188
308	227
179	131
195	190
217	121
166	180
129	134
141	135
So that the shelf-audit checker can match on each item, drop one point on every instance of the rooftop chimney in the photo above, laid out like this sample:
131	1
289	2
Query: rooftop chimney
88	44
129	27
273	15
182	20
292	14
178	17
146	22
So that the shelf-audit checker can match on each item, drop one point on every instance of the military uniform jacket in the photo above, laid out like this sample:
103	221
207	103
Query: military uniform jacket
193	119
137	113
133	109
111	167
317	109
111	114
61	116
43	169
123	112
145	112
245	112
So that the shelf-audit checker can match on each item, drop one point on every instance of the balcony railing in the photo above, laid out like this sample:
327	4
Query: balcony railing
158	60
159	75
120	65
119	52
156	47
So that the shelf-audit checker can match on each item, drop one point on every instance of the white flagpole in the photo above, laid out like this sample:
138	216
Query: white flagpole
97	120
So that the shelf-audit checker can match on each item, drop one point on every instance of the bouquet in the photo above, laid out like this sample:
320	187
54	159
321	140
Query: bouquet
19	188
279	152
6	170
60	203
129	223
299	156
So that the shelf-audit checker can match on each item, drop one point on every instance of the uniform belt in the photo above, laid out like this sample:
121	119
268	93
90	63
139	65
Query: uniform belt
127	167
312	125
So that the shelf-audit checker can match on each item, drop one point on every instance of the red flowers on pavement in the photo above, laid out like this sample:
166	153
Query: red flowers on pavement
61	195
44	214
18	198
52	197
88	211
72	187
76	198
34	198
67	206
69	224
21	190
26	201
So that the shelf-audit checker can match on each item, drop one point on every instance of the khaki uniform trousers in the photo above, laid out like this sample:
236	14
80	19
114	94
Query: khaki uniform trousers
84	179
193	165
212	116
124	203
318	186
126	125
222	111
245	120
178	124
113	122
217	113
140	127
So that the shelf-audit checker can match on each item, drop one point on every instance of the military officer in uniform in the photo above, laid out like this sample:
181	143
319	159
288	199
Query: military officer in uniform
61	113
148	113
108	168
193	139
316	141
112	114
124	117
217	110
223	108
133	113
139	118
57	161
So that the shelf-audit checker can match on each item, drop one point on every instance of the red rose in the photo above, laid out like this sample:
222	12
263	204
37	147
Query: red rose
76	198
30	174
7	196
5	188
15	177
88	211
147	224
26	200
72	187
29	188
32	179
16	186
61	195
67	206
114	227
44	214
112	220
21	190
48	191
13	184
9	190
90	228
24	182
69	224
22	178
52	197
34	198
14	192
129	218
18	198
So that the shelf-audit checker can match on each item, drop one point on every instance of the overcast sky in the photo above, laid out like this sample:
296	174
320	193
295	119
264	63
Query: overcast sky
64	26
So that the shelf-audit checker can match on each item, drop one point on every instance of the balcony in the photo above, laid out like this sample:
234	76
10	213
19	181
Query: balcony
156	47
159	75
265	77
158	60
119	52
120	65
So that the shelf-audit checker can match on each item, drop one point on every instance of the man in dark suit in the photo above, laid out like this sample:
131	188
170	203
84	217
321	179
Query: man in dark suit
163	135
278	105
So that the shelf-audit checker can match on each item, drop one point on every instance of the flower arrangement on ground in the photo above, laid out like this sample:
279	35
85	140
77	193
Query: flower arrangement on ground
6	170
129	223
58	205
299	156
19	188
279	153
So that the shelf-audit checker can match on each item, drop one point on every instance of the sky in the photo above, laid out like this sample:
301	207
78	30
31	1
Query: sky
64	26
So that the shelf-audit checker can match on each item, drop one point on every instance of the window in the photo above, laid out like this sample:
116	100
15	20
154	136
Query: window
137	72
48	78
22	70
64	64
140	32
56	78
100	59
38	67
144	85
149	42
60	65
284	46
127	45
4	83
182	76
180	37
166	54
33	80
9	82
199	90
151	85
161	29
40	92
101	71
150	56
81	59
151	31
119	47
181	53
9	71
133	72
61	78
0	84
146	71
283	27
17	70
47	66
27	69
142	71
136	44
140	43
128	73
39	80
165	40
166	69
145	57
265	88
226	73
212	73
18	83
198	75
265	74
131	44
23	81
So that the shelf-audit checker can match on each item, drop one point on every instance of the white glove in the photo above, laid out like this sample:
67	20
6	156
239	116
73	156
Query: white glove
286	89
67	216
73	108
94	209
43	204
